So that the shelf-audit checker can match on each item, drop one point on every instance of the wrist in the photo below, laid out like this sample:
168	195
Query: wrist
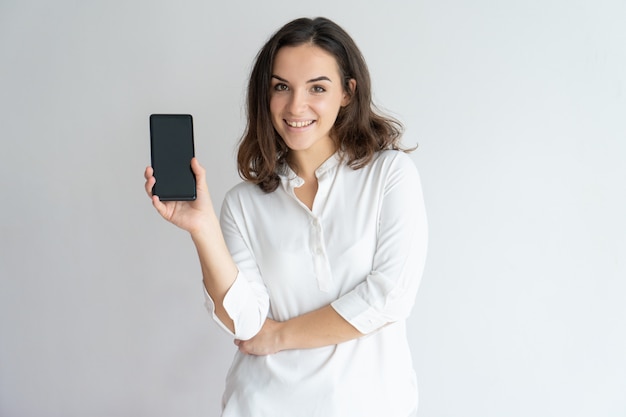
282	336
203	231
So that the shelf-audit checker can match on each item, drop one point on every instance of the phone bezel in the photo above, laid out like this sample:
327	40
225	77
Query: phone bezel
154	149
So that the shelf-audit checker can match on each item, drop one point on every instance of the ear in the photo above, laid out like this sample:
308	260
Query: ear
347	95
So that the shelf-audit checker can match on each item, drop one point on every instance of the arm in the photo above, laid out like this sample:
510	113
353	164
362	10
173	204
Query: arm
199	219
386	294
318	328
218	269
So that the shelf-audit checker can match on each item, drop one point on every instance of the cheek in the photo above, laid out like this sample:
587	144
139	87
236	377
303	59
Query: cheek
275	107
330	108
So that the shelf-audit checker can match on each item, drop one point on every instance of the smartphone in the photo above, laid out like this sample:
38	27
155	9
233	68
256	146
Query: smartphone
171	150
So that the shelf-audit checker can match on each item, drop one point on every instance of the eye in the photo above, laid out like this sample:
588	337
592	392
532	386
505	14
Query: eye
318	89
280	87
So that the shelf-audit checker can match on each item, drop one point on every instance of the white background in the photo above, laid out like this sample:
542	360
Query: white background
519	109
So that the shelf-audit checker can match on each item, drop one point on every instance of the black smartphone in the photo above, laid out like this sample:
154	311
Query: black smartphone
171	150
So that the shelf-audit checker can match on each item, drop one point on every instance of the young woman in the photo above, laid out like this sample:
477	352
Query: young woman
316	261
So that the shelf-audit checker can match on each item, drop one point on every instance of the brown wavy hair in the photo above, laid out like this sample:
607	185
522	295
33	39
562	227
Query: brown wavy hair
360	129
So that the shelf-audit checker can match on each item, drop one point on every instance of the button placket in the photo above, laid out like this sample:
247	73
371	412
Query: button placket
320	260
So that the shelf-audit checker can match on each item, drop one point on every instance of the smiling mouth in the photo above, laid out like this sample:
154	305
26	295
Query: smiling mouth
300	124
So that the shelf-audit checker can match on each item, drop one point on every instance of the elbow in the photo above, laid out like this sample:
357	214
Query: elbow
250	321
247	330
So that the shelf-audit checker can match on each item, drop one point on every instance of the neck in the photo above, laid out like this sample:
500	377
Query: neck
305	162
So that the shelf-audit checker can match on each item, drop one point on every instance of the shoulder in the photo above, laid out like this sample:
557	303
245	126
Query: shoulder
239	202
396	170
392	161
244	188
242	194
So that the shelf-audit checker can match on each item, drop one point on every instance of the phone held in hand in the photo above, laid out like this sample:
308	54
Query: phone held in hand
171	150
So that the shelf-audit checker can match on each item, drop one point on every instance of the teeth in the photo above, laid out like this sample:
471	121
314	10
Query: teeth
299	124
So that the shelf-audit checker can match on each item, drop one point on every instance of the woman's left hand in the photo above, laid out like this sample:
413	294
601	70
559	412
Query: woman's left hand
266	342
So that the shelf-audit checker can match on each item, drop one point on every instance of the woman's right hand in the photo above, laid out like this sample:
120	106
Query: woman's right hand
192	216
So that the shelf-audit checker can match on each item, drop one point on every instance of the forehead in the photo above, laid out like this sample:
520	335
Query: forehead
304	61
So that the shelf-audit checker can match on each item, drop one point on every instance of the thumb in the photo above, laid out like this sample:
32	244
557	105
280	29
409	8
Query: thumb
198	171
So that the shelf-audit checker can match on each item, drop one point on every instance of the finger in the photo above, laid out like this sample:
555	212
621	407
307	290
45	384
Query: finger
149	172
150	180
199	172
240	345
159	206
244	349
149	185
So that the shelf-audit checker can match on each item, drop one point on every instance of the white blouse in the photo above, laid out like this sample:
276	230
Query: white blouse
361	249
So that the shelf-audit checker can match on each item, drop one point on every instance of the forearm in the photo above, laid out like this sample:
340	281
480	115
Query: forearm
219	271
319	328
323	327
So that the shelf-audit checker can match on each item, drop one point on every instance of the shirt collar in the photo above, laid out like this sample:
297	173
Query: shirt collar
289	179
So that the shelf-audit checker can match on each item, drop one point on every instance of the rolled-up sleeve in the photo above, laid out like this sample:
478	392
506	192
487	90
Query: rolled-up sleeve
388	293
247	300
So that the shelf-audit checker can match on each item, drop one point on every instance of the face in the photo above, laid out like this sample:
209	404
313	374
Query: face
306	95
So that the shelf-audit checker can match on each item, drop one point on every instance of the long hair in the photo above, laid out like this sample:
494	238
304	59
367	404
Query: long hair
360	129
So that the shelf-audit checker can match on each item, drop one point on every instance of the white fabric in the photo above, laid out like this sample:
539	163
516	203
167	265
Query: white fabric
362	249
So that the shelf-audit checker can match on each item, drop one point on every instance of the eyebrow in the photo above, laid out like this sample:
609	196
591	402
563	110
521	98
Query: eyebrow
312	80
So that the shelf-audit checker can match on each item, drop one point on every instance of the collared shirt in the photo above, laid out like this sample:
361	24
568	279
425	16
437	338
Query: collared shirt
361	248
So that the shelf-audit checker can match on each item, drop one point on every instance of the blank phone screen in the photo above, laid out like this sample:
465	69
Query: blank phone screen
171	140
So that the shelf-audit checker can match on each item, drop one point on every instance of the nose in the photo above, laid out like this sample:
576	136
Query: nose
297	102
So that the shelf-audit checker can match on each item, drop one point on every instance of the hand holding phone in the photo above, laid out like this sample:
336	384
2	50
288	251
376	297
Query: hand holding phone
188	215
171	151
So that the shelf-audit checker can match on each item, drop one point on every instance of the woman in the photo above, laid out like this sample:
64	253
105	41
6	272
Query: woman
316	261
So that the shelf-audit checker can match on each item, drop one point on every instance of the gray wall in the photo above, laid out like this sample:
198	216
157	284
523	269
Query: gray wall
519	109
